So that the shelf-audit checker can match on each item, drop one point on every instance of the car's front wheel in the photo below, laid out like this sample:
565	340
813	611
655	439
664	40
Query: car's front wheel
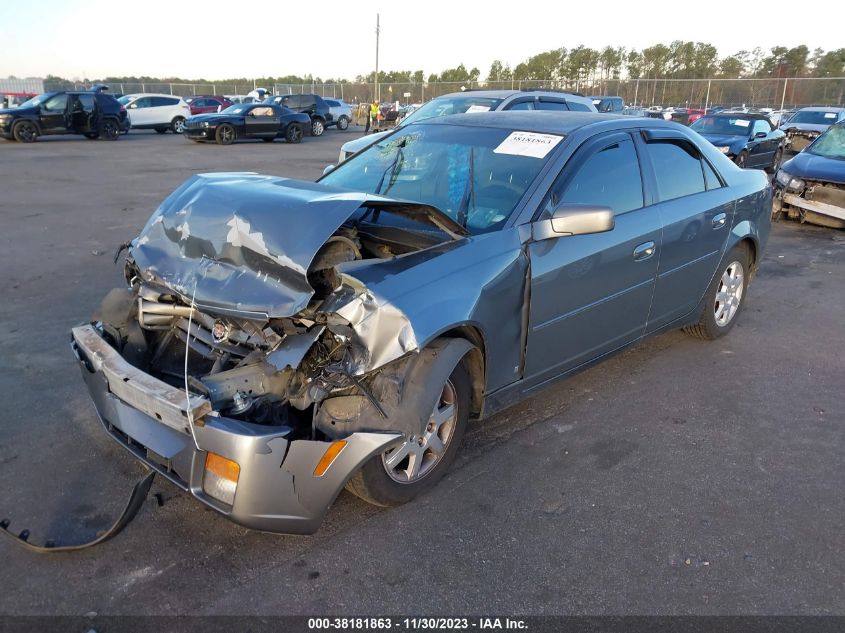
294	133
25	132
419	462
225	134
317	127
741	159
178	125
342	123
725	297
776	161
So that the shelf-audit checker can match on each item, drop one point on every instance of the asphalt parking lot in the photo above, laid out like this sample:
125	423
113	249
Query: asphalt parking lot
681	477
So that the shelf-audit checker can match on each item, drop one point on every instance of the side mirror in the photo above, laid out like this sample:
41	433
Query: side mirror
760	135
133	106
329	169
574	219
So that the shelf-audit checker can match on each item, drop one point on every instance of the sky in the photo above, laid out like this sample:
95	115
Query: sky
216	40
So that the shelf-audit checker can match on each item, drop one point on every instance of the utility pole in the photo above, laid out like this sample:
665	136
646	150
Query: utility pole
377	91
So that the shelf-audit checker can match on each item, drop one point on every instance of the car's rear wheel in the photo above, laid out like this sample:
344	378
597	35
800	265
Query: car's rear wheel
225	134
776	161
161	130
317	127
741	159
405	471
725	297
294	133
110	130
25	132
342	123
178	125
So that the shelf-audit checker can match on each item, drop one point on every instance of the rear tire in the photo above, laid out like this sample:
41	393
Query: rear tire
178	125
25	132
225	134
109	130
342	123
374	484
294	133
725	297
317	127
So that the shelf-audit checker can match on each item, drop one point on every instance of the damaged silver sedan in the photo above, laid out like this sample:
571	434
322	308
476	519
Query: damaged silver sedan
278	340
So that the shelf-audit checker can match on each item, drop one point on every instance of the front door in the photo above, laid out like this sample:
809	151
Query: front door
590	294
761	151
53	115
262	122
697	212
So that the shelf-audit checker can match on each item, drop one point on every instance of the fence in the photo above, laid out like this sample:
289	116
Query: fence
789	92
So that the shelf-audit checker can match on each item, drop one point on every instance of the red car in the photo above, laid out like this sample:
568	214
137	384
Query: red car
202	104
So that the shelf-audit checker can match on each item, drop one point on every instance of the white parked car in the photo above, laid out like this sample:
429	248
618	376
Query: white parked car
341	113
156	112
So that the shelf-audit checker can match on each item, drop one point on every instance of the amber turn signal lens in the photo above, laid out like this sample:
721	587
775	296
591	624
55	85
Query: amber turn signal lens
328	457
222	467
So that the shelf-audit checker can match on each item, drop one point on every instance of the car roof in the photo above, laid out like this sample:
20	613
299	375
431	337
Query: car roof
736	115
504	94
823	109
152	94
542	122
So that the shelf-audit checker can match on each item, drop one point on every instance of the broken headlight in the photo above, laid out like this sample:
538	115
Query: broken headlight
788	181
724	149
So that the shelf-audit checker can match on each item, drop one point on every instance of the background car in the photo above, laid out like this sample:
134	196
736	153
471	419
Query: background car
341	113
750	140
312	105
613	105
157	112
203	104
803	127
811	186
474	101
266	121
92	114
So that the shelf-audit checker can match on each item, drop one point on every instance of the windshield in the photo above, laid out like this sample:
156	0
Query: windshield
732	126
443	106
35	101
831	144
474	175
238	108
814	117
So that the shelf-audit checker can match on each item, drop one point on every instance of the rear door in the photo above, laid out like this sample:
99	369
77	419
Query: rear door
697	211
590	294
82	117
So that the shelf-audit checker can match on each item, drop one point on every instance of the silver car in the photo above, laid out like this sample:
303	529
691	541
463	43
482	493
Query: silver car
278	340
341	113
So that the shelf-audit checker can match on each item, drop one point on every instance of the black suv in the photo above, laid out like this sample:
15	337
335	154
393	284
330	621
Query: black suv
92	113
312	105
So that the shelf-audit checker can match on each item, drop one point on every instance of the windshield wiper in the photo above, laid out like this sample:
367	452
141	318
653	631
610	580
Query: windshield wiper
391	169
469	191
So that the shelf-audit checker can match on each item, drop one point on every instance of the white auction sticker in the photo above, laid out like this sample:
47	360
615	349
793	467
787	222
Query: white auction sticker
742	122
528	144
830	115
477	108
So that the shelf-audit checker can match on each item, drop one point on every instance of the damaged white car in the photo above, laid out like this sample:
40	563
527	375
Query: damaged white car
278	340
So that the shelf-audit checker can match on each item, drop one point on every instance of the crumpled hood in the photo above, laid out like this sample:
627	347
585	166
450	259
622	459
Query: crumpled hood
724	139
242	242
806	127
809	166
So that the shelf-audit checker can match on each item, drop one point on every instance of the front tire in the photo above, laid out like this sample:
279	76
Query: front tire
725	297
25	132
342	123
741	159
775	162
317	127
401	473
294	133
177	125
225	134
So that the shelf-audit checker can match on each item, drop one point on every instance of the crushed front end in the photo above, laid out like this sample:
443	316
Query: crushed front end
815	201
212	364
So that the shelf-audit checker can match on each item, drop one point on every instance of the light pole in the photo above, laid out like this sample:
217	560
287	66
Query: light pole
377	91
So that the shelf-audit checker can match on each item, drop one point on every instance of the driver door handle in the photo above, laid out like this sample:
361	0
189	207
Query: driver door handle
719	220
644	251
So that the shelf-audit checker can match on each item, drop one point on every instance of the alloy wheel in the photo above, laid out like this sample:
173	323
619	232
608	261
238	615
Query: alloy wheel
729	294
420	454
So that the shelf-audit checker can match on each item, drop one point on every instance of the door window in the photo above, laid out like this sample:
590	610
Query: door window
550	105
711	178
677	168
56	103
610	178
143	102
263	111
522	105
761	126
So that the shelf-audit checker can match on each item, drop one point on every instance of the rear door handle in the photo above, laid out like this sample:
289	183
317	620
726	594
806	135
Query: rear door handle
644	251
719	220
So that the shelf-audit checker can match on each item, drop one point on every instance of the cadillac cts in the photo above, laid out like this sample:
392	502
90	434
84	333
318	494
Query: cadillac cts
278	340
